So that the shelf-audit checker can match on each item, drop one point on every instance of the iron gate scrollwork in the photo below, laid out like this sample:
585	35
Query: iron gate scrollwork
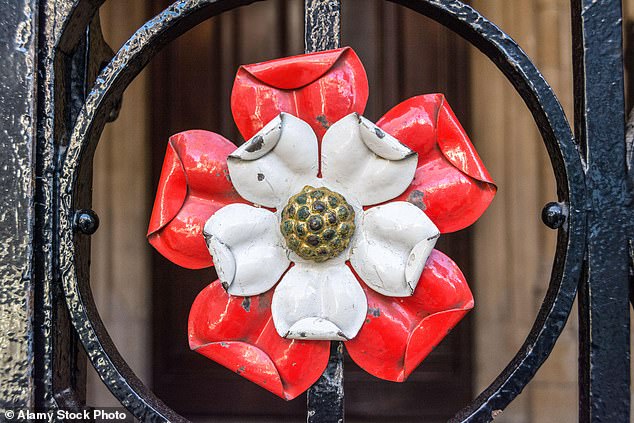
593	212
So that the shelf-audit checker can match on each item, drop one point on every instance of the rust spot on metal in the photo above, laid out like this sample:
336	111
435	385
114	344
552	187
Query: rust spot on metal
416	198
255	144
246	304
376	312
323	121
264	302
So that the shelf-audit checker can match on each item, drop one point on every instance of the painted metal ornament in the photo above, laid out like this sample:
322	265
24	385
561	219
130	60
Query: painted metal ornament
322	225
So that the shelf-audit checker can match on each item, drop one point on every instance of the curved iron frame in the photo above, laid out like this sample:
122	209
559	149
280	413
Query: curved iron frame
586	181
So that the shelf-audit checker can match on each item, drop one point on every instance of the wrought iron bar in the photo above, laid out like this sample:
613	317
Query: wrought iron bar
629	161
325	399
322	25
17	82
604	292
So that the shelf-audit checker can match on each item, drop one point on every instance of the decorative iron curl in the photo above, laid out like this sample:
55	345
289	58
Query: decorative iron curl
458	17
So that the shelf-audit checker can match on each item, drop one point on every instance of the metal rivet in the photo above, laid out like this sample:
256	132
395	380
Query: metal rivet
86	221
315	223
554	215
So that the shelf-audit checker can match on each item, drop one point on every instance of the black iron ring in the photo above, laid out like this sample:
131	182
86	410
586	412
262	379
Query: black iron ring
460	18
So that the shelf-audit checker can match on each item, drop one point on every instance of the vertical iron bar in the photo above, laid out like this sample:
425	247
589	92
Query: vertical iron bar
325	400
604	393
322	25
18	29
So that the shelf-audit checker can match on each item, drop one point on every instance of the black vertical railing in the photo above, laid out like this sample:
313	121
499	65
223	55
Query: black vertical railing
326	396
322	25
604	311
17	188
325	403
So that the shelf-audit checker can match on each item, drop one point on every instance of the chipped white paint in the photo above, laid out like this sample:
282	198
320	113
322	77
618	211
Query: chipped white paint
240	239
392	247
319	301
280	157
371	164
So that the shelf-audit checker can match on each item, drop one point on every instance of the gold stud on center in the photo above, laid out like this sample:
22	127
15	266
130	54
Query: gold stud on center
317	223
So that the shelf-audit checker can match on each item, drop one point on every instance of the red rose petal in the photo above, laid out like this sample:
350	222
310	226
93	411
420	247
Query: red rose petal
451	184
172	190
319	88
427	335
194	184
238	333
258	368
400	332
291	73
456	146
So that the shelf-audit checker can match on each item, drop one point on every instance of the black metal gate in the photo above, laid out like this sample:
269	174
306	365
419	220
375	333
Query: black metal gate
60	84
